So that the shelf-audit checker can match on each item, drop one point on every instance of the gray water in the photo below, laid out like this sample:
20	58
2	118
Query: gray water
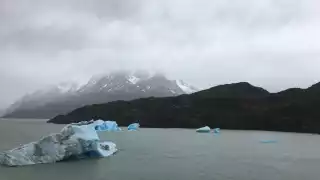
175	154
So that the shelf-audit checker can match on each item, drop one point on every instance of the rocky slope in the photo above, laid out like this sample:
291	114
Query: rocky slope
100	89
232	106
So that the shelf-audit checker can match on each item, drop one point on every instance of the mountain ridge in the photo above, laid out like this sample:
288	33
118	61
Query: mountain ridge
231	106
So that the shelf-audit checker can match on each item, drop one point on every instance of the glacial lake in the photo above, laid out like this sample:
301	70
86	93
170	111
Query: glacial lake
174	154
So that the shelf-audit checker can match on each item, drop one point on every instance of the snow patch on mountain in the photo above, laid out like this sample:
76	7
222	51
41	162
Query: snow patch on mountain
172	91
104	85
133	79
185	87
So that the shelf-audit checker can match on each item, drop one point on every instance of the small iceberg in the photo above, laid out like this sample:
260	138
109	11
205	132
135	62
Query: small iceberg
106	126
133	127
205	129
75	141
216	130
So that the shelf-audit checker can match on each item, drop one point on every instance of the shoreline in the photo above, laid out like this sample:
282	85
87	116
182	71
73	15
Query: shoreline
181	128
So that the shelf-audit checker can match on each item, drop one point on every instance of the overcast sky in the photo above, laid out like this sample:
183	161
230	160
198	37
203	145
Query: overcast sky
270	43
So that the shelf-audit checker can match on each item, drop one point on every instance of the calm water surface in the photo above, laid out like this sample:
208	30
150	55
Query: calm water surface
175	154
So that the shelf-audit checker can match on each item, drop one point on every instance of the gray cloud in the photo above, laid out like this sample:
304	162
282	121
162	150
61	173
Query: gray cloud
271	43
46	40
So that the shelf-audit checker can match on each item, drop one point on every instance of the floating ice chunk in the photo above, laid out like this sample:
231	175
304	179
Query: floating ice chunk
216	130
205	129
74	141
133	127
107	126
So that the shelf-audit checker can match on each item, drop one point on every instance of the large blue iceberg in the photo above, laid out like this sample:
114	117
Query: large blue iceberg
101	125
133	127
74	141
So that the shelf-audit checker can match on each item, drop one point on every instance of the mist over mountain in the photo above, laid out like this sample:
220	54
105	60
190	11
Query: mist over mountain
120	85
2	112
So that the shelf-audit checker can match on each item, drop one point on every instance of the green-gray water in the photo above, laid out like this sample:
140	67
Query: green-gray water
174	154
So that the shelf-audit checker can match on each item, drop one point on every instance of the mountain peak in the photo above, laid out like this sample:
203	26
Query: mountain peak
142	80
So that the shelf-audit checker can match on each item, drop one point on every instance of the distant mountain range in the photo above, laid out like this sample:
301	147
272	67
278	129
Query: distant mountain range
231	106
65	97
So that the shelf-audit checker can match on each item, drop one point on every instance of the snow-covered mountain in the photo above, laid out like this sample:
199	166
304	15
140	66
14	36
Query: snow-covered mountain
127	82
115	86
